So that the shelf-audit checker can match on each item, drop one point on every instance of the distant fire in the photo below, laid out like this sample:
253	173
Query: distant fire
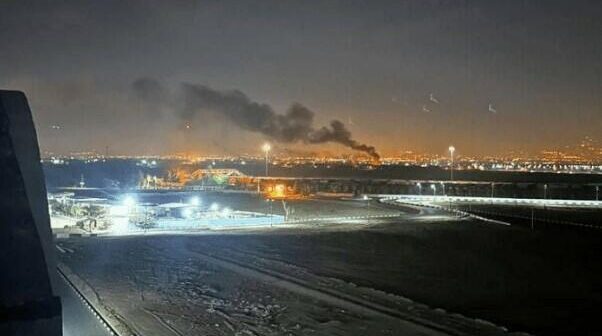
280	191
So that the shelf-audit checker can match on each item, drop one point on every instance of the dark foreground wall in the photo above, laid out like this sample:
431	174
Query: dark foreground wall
27	266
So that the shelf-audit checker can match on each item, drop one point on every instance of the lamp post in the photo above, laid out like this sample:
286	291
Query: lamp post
597	193
419	185
270	202
545	191
266	148
434	189
452	149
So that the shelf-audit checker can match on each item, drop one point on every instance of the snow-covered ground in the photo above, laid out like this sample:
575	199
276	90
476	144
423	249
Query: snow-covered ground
163	287
368	276
236	211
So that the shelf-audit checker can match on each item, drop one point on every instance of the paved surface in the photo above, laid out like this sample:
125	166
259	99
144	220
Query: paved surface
497	201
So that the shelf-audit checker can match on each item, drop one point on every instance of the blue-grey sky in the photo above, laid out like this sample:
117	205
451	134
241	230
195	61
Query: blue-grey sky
486	76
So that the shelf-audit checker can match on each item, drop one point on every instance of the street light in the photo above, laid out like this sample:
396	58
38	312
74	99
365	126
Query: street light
419	185
597	193
434	189
195	201
187	213
266	148
545	191
129	201
452	149
226	211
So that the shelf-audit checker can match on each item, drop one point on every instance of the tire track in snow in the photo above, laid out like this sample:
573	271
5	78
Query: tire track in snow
410	324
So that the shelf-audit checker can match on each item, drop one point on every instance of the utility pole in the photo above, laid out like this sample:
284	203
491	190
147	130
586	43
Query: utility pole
532	219
452	149
545	191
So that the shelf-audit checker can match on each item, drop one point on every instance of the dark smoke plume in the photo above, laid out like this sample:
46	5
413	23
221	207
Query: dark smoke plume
295	125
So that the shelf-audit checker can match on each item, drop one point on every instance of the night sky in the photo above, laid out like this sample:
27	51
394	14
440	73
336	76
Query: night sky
486	76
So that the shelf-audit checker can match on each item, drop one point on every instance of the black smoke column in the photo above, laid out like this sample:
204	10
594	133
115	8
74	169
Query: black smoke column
294	125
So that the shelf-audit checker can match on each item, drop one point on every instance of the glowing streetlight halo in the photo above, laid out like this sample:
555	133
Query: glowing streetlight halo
129	201
195	201
187	213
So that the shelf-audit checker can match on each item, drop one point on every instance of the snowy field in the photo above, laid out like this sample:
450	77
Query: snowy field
167	286
422	273
299	209
232	211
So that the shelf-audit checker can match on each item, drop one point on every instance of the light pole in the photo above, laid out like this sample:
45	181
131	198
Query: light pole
443	187
545	191
270	201
419	188
434	189
266	148
492	189
452	149
597	193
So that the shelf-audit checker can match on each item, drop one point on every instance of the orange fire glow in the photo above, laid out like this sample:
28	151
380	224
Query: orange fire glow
280	191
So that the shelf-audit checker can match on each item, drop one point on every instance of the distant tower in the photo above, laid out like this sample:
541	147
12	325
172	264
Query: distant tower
82	183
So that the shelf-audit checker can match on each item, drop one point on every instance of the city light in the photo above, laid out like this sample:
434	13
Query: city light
214	207
278	191
129	201
195	201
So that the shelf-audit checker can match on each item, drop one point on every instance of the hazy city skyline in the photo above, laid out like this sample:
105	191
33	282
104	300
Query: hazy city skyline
485	76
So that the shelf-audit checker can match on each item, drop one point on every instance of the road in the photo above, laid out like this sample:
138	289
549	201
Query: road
445	200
